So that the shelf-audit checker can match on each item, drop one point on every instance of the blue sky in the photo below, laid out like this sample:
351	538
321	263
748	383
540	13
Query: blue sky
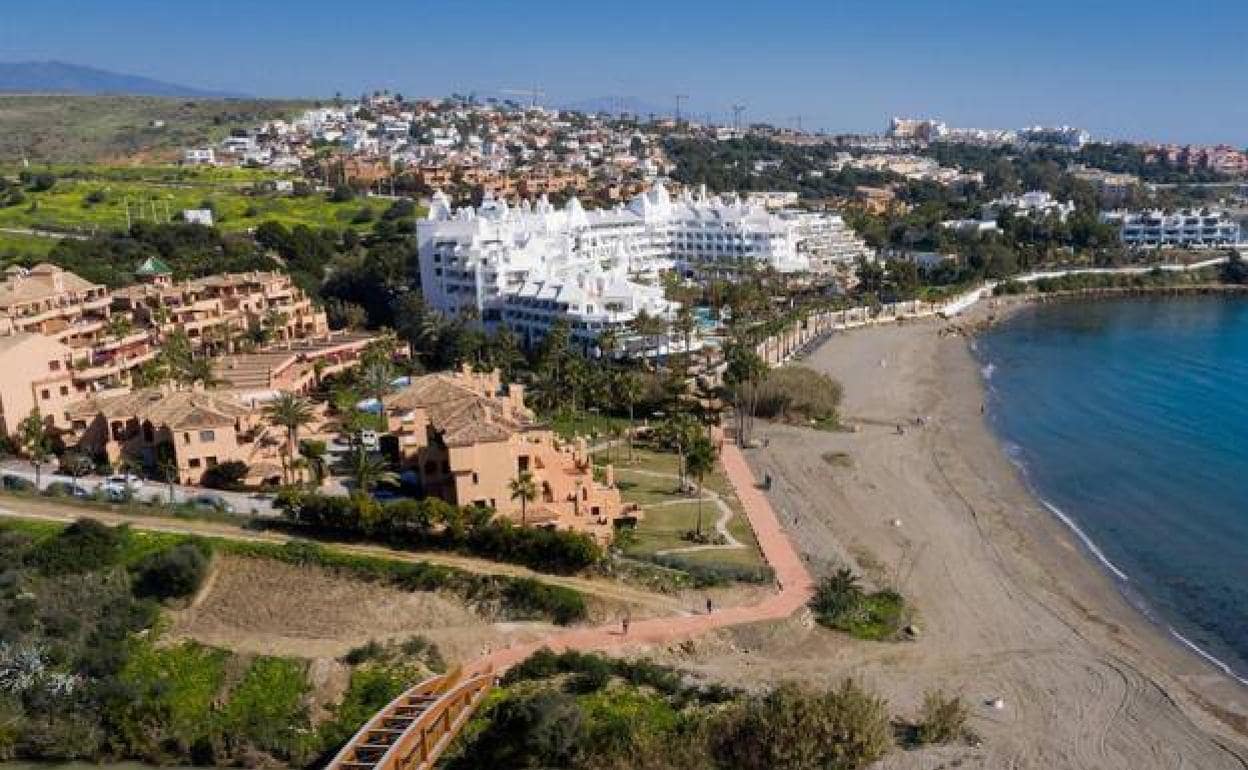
1167	70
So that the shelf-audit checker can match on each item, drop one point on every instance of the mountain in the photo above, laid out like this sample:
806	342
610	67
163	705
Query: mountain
61	78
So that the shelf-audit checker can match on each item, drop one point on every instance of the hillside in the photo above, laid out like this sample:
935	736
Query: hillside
61	78
69	128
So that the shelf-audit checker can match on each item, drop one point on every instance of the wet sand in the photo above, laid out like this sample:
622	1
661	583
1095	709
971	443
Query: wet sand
1010	606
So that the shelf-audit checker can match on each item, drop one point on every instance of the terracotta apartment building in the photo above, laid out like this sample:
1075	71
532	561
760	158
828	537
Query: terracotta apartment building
64	339
198	428
466	437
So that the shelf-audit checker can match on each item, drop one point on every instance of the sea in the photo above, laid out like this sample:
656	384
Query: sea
1129	420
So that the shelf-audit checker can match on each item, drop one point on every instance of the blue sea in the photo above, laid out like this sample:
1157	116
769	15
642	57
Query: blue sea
1129	419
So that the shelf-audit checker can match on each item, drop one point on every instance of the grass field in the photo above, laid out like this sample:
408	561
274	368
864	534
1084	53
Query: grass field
100	201
65	128
665	520
13	245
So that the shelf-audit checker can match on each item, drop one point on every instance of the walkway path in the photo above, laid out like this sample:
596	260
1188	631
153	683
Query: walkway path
793	581
721	524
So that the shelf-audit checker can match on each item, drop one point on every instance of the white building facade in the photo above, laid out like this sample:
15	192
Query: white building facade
525	266
1188	229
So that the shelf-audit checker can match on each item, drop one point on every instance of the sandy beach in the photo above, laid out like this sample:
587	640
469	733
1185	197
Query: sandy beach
1009	605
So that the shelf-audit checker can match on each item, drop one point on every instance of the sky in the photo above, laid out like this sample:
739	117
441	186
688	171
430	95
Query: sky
1166	70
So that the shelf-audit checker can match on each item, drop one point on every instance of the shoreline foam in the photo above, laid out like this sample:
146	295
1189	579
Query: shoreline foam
1136	599
1012	601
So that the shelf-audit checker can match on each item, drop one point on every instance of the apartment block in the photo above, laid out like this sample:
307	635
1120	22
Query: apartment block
465	437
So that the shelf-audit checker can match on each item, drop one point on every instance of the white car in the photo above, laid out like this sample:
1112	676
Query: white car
124	481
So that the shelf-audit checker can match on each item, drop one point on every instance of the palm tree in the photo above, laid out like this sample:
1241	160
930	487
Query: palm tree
314	455
699	460
35	440
377	381
290	412
367	471
628	389
200	370
523	488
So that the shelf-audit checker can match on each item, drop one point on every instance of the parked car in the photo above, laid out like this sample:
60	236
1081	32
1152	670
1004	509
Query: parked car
215	502
66	489
126	481
17	483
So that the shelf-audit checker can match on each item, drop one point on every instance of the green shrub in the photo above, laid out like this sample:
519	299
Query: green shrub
841	603
707	575
797	393
84	546
228	475
943	718
174	573
795	727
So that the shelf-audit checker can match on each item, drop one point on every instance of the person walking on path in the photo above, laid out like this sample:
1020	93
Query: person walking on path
624	626
709	606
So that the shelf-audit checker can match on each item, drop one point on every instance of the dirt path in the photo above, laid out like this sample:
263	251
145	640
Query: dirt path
644	602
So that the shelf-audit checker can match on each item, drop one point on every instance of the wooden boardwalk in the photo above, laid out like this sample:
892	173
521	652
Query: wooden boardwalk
431	713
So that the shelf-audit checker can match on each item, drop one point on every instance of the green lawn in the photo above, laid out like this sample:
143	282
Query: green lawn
17	244
569	424
66	205
661	527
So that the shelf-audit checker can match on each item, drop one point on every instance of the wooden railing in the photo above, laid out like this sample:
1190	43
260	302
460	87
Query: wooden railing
417	727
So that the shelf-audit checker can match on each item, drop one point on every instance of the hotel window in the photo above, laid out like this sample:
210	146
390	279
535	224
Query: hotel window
64	390
54	366
207	435
46	395
193	462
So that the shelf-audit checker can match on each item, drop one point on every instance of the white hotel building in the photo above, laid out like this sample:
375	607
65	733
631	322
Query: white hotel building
525	266
1188	229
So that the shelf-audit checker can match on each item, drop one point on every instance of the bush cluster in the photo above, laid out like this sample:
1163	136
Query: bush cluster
435	524
797	393
841	603
590	712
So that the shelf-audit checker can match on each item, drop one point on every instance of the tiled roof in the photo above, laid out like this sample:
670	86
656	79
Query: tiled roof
43	281
175	409
463	415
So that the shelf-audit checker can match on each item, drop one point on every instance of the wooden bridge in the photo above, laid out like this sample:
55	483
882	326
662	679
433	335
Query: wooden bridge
418	726
415	728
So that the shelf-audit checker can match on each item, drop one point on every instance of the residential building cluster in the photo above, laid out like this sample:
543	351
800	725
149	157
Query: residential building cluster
918	168
930	130
1112	189
1185	229
465	437
500	149
1222	159
1036	205
71	349
527	266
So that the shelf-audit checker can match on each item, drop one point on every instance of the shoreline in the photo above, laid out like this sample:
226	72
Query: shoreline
1121	579
989	565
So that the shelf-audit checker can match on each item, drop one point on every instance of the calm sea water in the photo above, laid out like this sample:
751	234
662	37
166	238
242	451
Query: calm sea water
1129	419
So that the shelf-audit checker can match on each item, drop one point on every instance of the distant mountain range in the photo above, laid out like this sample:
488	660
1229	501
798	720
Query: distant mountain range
61	78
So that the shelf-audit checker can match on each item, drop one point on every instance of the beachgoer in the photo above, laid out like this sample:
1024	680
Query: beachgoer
624	625
709	606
